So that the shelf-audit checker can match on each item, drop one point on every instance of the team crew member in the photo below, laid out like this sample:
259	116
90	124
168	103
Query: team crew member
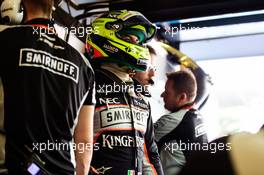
183	127
203	80
123	128
48	95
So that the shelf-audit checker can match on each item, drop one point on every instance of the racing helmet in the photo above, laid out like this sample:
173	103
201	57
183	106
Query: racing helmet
12	11
106	42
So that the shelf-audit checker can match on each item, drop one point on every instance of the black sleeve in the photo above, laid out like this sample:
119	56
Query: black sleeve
90	99
152	149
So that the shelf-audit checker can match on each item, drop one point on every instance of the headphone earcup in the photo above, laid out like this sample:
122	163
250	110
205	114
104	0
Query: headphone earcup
12	11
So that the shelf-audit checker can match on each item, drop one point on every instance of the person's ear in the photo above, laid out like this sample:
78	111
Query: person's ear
181	99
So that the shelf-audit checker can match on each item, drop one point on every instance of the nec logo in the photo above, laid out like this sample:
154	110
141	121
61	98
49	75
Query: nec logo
109	101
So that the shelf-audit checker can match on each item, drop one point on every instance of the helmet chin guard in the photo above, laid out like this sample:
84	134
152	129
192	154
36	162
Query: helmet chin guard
12	11
106	44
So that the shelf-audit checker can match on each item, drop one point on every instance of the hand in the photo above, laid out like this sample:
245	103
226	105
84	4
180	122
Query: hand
93	171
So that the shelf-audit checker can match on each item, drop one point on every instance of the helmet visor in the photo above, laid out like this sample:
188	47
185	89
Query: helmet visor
140	22
138	31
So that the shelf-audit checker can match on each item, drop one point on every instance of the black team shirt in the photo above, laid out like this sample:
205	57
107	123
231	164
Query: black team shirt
45	81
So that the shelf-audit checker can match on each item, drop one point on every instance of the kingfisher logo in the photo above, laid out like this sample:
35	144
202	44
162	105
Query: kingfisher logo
59	66
111	141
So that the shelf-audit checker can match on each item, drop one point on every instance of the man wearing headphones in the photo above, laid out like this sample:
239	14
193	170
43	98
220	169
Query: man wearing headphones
123	128
48	94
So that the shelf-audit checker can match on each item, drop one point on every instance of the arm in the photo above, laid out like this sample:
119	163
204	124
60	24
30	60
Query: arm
172	161
83	135
152	162
167	123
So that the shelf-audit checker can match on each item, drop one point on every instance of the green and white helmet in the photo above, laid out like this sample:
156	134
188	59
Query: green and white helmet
106	43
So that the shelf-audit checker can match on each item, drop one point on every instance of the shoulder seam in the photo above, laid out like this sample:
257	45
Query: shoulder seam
86	60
